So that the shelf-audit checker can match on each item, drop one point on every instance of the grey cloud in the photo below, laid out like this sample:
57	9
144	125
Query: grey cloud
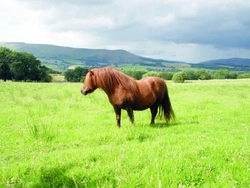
145	26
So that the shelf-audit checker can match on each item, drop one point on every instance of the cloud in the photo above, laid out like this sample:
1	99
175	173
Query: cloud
192	31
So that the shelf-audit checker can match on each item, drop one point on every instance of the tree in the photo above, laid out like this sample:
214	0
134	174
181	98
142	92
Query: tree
166	75
135	74
225	74
151	73
190	75
5	72
179	77
203	75
244	75
26	67
69	75
43	74
75	75
21	66
80	72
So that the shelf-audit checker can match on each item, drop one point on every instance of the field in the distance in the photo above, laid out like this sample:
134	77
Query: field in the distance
52	136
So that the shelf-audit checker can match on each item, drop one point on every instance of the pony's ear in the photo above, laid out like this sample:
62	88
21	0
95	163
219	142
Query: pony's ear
91	72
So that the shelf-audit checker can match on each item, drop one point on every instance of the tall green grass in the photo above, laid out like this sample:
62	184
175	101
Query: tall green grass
52	136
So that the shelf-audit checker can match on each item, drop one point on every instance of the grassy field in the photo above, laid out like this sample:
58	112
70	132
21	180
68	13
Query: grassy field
52	136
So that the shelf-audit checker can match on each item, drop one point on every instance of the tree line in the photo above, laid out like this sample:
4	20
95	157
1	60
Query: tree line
22	66
199	74
78	74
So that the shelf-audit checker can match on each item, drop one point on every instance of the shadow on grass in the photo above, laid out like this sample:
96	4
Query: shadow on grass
54	177
165	125
58	177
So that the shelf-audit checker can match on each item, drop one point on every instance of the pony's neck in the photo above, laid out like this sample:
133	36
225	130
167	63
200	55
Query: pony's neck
110	80
106	82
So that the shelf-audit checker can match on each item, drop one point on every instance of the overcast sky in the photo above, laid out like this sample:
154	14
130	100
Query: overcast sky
190	31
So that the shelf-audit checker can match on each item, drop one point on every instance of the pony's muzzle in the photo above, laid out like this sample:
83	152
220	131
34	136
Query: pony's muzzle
84	92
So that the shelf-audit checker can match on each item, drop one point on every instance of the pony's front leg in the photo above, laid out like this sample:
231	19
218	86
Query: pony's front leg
131	115
118	116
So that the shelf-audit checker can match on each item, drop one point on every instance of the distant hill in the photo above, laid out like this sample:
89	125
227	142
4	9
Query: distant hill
229	62
62	58
233	64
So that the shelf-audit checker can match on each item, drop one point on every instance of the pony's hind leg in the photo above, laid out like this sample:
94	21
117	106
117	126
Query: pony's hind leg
131	115
154	110
118	116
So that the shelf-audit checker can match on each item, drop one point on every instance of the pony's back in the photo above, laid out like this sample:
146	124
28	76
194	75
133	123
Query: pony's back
109	78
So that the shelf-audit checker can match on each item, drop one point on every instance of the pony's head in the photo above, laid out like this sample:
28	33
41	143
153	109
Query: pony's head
108	80
89	84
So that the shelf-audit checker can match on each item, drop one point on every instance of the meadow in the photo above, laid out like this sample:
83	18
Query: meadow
52	136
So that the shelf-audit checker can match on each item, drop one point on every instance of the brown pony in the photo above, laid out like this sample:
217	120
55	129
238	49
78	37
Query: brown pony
126	93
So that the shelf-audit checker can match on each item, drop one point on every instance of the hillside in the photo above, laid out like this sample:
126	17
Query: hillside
233	64
62	58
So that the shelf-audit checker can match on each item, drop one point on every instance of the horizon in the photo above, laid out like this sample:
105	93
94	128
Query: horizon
2	42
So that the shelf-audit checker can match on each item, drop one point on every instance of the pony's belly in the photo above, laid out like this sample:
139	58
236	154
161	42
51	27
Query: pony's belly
134	106
140	109
143	106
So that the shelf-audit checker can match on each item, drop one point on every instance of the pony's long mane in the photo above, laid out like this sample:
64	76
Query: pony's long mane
108	79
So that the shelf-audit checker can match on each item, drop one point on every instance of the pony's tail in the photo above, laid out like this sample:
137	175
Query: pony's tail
167	108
